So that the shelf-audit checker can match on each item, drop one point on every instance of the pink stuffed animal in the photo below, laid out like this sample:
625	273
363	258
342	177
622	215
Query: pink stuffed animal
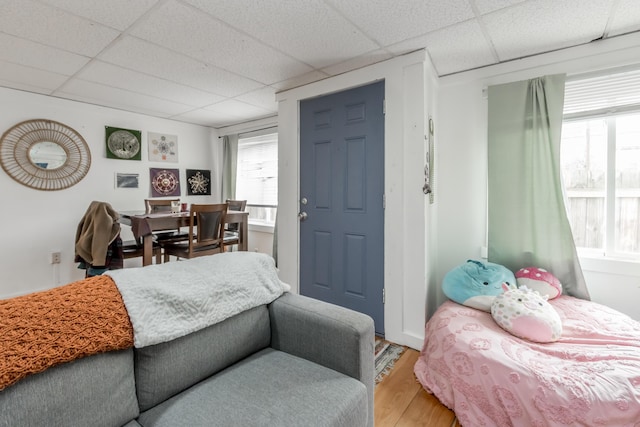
526	314
539	280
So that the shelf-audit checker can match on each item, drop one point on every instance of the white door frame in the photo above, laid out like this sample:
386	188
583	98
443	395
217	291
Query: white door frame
406	213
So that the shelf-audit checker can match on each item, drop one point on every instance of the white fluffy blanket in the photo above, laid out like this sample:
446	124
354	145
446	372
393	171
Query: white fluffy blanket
167	301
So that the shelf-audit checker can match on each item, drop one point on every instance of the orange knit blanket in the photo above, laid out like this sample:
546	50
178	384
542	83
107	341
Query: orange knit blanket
59	325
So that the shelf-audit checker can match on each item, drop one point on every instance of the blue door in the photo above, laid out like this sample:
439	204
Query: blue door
342	200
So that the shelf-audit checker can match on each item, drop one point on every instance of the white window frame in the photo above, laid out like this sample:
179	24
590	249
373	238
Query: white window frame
270	209
603	265
608	251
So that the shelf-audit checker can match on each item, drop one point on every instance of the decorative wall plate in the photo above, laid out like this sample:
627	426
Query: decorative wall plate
44	154
199	181
123	143
162	147
164	182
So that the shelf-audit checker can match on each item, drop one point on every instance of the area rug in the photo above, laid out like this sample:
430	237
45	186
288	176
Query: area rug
386	354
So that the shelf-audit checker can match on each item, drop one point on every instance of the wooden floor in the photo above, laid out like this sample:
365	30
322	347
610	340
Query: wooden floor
400	400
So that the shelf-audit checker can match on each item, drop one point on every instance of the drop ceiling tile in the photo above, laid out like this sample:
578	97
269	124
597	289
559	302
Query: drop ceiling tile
22	86
358	62
545	25
133	81
193	58
294	28
236	108
54	27
31	79
459	47
301	80
36	55
118	14
264	98
147	58
206	118
626	18
182	29
389	22
487	6
94	93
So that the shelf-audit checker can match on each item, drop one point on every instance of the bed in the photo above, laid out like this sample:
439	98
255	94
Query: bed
488	377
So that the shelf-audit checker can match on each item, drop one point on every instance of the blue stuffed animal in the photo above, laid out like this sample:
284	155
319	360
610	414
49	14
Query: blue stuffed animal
476	283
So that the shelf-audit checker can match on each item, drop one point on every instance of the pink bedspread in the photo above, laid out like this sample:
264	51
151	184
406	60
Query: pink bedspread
488	377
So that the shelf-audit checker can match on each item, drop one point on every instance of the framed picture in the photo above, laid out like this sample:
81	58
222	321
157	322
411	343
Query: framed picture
127	180
198	182
164	182
162	147
124	144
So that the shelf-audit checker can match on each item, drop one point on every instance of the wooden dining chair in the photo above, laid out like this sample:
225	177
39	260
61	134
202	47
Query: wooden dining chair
231	230
206	233
236	205
152	206
158	205
98	234
134	249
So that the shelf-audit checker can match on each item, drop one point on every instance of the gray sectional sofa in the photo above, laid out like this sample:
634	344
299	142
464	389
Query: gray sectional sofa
293	362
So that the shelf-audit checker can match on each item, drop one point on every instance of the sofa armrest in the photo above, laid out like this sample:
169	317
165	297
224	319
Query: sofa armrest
332	336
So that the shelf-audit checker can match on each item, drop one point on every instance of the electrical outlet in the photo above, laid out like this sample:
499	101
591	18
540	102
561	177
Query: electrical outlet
55	257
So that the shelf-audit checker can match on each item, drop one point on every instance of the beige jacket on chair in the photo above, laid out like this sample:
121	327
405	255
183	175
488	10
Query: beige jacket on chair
97	229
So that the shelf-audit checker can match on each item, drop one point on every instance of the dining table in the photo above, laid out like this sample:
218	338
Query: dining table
143	225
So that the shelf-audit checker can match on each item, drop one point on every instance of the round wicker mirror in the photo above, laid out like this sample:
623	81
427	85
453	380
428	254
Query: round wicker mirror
44	154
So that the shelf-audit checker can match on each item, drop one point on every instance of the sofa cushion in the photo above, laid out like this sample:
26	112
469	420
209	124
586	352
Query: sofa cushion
329	335
92	391
165	369
269	388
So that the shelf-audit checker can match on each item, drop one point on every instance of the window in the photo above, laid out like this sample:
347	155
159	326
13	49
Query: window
600	161
257	176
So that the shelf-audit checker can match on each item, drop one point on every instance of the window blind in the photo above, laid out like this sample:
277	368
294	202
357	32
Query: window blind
599	94
257	172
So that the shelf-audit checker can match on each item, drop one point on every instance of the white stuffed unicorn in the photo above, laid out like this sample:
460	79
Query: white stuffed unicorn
524	313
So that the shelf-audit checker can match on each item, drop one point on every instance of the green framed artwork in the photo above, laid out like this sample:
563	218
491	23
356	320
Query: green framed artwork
123	144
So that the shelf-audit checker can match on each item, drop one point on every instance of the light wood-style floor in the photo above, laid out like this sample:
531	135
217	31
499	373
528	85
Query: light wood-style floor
400	400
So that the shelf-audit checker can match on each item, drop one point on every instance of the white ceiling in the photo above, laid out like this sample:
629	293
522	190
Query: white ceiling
220	62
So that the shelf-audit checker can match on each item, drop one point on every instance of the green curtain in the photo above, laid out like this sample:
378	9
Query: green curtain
229	166
274	248
528	224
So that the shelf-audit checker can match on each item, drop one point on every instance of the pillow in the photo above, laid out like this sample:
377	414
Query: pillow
476	283
539	280
526	314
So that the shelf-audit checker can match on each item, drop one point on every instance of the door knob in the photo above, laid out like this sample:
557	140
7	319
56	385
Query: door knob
302	216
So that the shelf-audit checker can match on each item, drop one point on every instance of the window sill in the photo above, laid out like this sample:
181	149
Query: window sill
260	227
609	265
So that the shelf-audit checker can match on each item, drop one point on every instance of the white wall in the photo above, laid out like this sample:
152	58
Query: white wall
461	150
407	79
35	223
261	239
